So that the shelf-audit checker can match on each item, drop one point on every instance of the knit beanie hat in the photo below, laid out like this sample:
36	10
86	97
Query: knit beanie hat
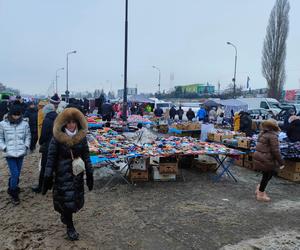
48	108
55	99
15	110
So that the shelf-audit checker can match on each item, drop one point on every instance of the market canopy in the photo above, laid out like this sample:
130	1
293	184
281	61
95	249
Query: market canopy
139	99
233	104
210	104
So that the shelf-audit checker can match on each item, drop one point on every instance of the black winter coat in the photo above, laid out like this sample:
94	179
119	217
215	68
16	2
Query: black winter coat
3	109
190	115
68	190
32	115
293	131
47	130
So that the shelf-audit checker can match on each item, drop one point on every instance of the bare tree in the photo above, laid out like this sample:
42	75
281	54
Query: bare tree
274	50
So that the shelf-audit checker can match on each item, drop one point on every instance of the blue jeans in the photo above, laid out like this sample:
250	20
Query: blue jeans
15	166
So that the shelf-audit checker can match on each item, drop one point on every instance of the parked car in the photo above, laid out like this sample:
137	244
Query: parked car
258	114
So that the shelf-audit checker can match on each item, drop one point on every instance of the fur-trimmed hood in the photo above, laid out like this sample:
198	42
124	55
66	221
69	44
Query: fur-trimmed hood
60	123
270	125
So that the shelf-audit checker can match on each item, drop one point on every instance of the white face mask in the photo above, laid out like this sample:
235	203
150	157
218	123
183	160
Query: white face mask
71	134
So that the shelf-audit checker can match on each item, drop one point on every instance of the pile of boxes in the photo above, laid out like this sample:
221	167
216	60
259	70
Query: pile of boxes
291	171
245	161
161	169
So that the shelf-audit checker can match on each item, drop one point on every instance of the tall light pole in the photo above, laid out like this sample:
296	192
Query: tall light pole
159	76
235	64
67	75
124	113
56	77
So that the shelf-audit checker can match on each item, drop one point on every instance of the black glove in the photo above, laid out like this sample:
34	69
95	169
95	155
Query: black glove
47	184
90	180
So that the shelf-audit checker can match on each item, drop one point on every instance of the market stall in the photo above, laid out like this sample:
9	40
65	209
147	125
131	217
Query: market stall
233	105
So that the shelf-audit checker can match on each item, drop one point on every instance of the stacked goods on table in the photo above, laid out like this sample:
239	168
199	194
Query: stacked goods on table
135	119
219	135
291	171
186	126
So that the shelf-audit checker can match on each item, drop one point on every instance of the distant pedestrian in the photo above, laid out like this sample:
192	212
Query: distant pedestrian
202	114
190	114
14	142
20	103
180	113
3	109
44	141
267	156
32	115
172	113
158	112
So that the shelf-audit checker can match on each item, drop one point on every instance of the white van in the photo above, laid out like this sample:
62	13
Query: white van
265	103
162	104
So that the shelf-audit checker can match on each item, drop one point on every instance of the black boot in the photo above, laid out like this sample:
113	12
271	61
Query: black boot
63	219
37	189
14	197
72	234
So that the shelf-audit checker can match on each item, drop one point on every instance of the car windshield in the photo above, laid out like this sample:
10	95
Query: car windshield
163	105
274	105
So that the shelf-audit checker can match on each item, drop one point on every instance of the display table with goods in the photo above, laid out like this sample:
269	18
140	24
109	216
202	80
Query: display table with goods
182	129
108	147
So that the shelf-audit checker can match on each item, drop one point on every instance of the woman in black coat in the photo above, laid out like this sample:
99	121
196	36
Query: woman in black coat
293	131
69	142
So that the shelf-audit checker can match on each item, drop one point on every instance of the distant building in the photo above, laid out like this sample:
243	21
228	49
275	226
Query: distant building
196	88
130	92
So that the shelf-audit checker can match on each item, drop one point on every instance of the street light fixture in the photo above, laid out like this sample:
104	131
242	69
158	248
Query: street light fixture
67	74
159	76
56	77
235	64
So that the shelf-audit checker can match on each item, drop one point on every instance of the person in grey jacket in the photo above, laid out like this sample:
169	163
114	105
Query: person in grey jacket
14	142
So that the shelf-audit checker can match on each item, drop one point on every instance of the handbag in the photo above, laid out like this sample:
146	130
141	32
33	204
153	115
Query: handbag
78	165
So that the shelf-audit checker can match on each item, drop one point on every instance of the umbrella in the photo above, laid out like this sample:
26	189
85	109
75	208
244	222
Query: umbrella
210	104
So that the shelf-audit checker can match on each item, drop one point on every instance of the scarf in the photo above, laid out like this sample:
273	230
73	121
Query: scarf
71	134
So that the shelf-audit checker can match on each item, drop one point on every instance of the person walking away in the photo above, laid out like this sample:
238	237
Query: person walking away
44	141
201	114
41	117
267	156
107	111
190	114
140	110
3	109
69	144
86	105
55	100
14	142
32	115
236	122
293	131
220	110
180	113
158	112
246	123
172	113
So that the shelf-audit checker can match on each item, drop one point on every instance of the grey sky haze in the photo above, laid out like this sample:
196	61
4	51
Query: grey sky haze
184	37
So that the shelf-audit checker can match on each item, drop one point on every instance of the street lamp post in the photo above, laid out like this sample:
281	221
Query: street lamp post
56	77
235	64
124	113
159	76
67	75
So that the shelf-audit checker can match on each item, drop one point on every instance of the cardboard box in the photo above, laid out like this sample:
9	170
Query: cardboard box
162	177
211	137
204	166
292	166
138	175
168	168
244	143
291	176
248	164
140	164
239	162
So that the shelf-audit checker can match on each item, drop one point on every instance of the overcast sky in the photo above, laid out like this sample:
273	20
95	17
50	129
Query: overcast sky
184	37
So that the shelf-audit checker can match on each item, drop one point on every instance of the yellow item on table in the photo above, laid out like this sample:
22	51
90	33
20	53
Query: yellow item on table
237	122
